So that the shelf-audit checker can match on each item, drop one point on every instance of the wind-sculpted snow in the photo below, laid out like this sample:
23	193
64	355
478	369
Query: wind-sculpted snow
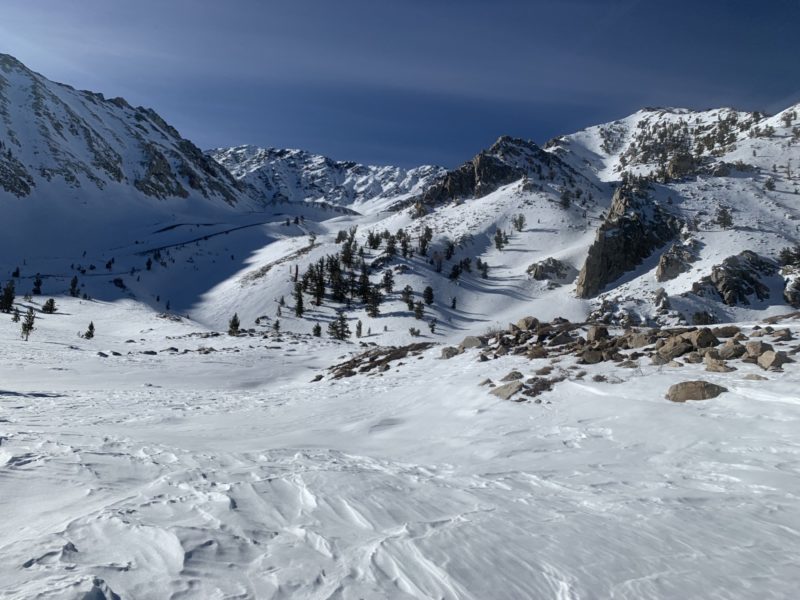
228	475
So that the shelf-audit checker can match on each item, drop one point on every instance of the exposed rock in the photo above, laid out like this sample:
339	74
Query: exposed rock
596	333
674	347
551	268
527	323
513	376
772	360
504	392
716	365
633	229
755	377
675	260
756	348
693	358
639	339
694	390
738	278
701	338
725	331
730	350
560	339
472	341
449	352
486	381
791	293
591	357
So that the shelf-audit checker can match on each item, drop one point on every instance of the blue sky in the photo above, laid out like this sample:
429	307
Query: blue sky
409	81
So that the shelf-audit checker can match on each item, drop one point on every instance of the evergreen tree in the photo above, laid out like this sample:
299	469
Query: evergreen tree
359	327
233	325
427	295
453	303
374	302
89	334
16	316
339	329
407	294
15	273
432	325
37	285
298	300
388	281
49	307
8	296
27	323
317	330
419	310
498	239
73	287
277	326
724	218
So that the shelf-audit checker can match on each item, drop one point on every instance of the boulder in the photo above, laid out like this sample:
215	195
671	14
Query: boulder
674	347
504	392
472	341
694	390
640	339
552	269
755	377
675	260
597	333
449	352
715	365
701	338
772	360
756	348
560	339
725	331
527	323
730	350
591	357
513	376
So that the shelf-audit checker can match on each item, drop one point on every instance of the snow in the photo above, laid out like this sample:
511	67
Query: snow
230	475
164	458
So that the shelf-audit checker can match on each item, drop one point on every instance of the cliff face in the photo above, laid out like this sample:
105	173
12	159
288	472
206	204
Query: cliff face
633	229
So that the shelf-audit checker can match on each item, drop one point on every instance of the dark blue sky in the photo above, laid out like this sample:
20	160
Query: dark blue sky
409	81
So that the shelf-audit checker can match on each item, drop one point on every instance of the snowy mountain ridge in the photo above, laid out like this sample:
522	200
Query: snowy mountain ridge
283	175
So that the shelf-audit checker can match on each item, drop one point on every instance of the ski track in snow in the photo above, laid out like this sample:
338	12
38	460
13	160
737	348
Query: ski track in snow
400	486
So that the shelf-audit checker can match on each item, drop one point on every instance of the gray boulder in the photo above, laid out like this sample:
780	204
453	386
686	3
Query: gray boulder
694	390
504	392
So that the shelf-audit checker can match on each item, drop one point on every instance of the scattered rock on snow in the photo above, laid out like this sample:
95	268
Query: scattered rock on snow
694	390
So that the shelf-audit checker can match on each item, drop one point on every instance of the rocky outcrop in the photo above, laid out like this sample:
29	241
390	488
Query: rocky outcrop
675	260
738	278
551	269
791	292
507	160
633	229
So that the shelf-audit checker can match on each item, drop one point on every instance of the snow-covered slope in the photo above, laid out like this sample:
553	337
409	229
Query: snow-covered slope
76	165
299	176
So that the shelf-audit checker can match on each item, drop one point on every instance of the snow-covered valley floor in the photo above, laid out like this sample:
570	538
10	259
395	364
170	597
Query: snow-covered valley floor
230	475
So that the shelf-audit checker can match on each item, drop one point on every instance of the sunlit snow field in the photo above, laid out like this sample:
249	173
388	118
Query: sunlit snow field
230	475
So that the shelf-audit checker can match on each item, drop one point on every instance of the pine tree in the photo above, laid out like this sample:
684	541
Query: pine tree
233	325
339	329
298	300
277	326
432	325
498	239
427	295
374	302
317	330
388	281
89	334
359	328
407	294
724	218
73	287
8	296
16	316
27	324
49	306
419	310
37	285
